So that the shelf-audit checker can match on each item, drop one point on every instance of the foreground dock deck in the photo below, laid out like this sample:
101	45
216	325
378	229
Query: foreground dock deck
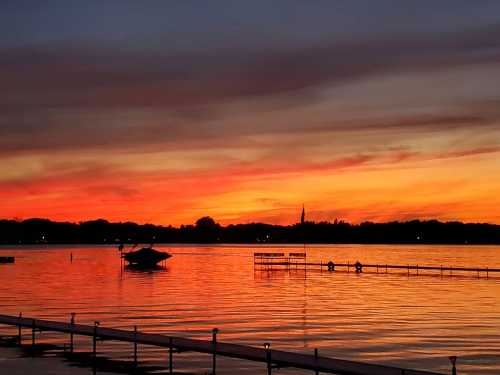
270	357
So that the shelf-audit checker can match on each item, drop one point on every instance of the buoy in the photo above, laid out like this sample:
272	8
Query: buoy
358	266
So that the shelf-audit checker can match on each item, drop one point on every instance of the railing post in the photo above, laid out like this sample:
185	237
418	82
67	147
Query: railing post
170	356
19	332
135	346
316	360
214	344
453	360
72	322
94	341
33	328
267	346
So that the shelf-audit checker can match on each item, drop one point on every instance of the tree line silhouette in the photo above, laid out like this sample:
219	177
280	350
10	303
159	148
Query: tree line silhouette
206	230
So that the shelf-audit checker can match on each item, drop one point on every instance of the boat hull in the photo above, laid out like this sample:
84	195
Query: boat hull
146	257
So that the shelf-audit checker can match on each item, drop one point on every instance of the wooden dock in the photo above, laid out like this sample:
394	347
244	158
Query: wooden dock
272	260
270	357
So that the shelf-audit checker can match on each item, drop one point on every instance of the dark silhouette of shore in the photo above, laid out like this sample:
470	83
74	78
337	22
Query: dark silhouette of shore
206	230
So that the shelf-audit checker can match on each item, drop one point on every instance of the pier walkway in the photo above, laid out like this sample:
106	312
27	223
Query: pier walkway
271	260
270	357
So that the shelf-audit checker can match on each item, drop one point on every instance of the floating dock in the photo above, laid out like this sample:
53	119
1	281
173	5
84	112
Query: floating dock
269	261
272	358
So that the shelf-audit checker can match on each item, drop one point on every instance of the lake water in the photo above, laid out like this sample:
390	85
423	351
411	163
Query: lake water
396	319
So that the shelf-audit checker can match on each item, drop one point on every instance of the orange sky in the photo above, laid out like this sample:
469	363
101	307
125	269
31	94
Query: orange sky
382	119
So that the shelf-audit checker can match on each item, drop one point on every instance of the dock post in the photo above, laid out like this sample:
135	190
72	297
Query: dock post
33	328
316	360
453	360
267	346
94	341
408	270
487	276
72	322
135	346
19	332
170	356
214	344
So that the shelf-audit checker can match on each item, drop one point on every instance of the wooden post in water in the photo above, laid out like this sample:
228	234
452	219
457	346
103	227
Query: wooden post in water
19	332
214	344
135	346
267	346
316	372
72	322
170	356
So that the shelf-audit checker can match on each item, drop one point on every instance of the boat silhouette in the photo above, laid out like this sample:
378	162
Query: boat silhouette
145	257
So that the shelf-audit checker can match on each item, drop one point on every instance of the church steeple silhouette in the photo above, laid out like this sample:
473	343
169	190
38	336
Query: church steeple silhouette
303	216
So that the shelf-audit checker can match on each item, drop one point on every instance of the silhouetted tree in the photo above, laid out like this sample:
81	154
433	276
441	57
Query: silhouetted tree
206	230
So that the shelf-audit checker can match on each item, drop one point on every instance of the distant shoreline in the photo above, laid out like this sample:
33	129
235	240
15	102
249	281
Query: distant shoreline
207	231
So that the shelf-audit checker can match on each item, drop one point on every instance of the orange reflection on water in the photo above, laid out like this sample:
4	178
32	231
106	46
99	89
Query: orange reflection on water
412	321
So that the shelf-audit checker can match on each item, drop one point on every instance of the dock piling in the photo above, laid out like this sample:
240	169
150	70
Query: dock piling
453	360
214	344
135	346
170	356
33	328
267	346
72	322
94	341
19	332
316	372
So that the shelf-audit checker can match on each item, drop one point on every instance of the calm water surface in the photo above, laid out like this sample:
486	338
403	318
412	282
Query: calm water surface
396	319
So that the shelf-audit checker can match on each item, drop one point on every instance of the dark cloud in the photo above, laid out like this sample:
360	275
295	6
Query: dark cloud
59	98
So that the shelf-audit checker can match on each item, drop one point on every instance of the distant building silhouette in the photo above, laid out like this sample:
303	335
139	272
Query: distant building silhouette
303	216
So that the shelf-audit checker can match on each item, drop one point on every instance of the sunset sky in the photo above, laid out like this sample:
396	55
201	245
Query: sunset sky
166	111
